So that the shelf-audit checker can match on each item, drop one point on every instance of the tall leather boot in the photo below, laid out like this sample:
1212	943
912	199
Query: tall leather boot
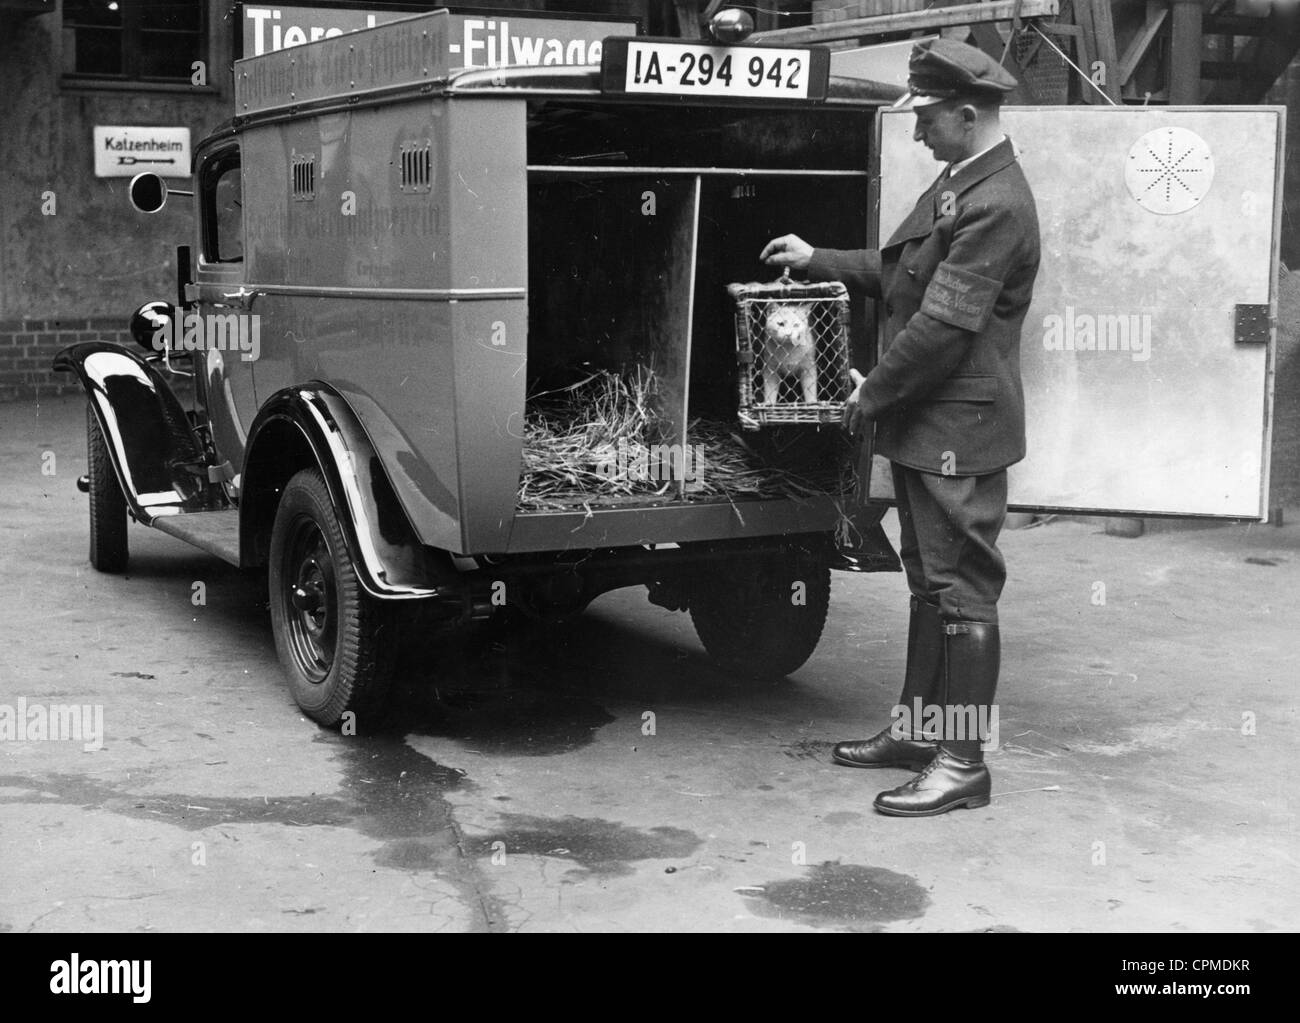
922	682
957	775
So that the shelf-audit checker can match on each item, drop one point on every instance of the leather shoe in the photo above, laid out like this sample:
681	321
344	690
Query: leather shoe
946	783
883	750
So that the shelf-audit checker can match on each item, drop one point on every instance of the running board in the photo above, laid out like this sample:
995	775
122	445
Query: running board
216	532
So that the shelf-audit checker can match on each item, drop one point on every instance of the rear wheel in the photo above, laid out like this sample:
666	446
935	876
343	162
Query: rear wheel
762	614
338	645
108	522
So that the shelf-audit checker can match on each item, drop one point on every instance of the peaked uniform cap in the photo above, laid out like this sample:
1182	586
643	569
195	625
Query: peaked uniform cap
941	69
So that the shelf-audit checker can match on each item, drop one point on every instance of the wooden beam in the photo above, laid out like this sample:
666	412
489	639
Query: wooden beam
1264	59
1137	48
911	21
1106	50
688	18
990	41
1219	70
1185	52
1092	17
1236	25
1083	11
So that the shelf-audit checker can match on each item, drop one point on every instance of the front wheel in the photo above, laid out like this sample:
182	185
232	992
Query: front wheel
108	544
762	614
337	644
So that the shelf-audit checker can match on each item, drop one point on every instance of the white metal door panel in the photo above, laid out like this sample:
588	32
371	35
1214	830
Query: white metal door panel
1156	223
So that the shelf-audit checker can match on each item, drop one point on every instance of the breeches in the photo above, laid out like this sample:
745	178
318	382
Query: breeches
950	527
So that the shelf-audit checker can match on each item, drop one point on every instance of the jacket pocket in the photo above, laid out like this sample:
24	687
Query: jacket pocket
979	389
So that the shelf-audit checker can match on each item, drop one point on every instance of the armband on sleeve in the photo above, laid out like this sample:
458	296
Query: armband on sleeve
960	298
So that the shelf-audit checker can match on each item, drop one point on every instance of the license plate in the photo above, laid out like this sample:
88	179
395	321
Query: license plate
658	67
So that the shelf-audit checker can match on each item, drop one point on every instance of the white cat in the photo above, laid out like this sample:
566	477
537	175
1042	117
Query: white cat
788	350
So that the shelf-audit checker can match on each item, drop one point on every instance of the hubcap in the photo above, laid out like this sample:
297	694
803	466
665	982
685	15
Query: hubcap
310	600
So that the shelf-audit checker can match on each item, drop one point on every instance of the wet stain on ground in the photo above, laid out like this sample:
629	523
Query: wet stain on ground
192	813
498	704
840	895
398	796
388	791
594	845
841	817
508	722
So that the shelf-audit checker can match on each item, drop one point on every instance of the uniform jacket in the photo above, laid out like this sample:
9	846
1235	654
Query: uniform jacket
956	279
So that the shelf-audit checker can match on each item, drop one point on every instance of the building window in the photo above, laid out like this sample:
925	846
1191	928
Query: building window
133	40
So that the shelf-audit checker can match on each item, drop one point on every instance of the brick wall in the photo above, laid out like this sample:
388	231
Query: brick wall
74	269
28	346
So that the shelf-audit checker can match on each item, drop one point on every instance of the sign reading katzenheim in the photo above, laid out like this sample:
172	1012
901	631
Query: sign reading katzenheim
472	42
123	152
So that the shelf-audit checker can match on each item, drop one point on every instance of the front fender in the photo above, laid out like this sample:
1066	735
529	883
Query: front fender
314	423
152	447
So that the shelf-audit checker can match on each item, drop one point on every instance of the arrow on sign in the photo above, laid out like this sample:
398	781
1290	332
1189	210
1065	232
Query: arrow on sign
129	160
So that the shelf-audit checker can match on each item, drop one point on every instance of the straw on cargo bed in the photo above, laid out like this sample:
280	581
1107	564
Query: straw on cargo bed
577	440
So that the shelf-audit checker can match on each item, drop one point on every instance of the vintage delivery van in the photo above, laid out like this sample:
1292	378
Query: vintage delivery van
400	271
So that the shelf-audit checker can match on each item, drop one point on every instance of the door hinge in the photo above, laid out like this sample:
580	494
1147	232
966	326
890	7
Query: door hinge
1254	326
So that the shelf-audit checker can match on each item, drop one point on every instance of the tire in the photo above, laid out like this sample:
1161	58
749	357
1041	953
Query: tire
338	645
108	521
747	617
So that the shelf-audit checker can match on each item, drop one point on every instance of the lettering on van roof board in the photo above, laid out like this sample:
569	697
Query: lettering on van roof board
480	41
404	52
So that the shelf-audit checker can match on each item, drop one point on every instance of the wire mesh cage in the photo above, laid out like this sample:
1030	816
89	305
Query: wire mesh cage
1043	69
792	344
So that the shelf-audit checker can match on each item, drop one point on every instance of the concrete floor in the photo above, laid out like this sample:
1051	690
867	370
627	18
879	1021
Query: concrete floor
522	794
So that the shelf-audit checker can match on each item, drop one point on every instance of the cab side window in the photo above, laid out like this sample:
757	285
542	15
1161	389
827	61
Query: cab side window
223	210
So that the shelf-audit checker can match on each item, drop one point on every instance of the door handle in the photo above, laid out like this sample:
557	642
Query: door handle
241	299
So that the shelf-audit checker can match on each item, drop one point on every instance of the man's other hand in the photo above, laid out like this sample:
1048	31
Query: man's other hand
788	250
855	419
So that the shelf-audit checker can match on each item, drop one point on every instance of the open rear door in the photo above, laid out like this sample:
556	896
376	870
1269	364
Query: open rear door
1147	354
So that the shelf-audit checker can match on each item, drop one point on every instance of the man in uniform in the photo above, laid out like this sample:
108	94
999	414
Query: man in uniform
946	401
